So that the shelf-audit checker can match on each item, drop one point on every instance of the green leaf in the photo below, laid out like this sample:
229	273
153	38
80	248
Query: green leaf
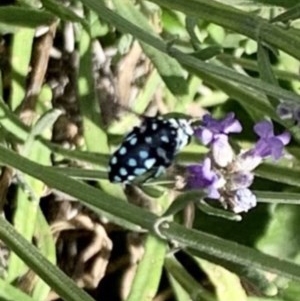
186	281
265	69
227	285
62	284
289	15
283	3
46	245
46	121
280	174
188	238
10	293
18	16
278	197
187	60
282	230
167	67
63	12
237	20
148	274
21	51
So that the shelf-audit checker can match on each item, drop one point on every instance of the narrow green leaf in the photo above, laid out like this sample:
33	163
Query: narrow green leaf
190	24
179	292
183	200
257	278
18	16
62	284
21	51
63	12
227	285
283	3
237	20
278	197
280	174
10	293
188	283
187	238
30	190
188	60
291	14
150	268
202	205
46	245
46	121
252	65
265	69
167	67
148	274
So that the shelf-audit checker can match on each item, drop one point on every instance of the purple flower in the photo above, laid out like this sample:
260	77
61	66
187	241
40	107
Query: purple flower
242	200
211	128
225	175
269	144
203	177
222	152
215	132
239	180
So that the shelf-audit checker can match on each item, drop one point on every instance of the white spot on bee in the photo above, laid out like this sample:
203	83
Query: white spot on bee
162	153
133	141
123	150
149	163
165	139
143	154
117	179
143	129
148	140
130	178
173	122
132	162
154	126
123	171
114	160
139	171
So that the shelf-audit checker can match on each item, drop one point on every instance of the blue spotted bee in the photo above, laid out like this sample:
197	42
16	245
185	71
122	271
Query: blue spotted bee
149	149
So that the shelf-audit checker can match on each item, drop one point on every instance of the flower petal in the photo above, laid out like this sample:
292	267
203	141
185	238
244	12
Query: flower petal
264	129
243	200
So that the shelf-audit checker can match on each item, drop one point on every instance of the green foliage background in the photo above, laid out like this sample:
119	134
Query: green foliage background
246	55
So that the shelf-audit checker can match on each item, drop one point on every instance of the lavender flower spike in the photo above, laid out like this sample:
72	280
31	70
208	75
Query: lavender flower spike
203	177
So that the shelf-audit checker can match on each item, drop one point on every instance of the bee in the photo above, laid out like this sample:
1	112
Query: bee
149	149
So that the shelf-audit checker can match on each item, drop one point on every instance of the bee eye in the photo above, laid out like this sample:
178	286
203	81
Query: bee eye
149	149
